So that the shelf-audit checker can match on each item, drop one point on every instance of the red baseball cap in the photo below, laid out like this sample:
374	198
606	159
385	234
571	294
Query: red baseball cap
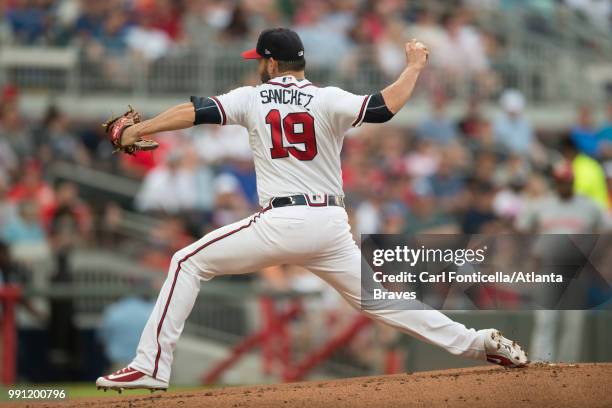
251	54
563	172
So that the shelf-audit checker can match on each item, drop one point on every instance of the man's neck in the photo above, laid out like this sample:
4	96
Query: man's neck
296	74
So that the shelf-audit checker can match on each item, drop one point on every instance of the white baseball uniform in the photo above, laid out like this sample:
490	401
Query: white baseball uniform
295	131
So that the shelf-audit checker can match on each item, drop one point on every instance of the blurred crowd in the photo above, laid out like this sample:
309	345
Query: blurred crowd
470	173
337	34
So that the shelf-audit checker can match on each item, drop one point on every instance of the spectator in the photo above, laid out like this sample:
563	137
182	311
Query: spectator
323	45
512	130
106	50
462	50
479	216
425	217
608	171
201	20
238	26
25	228
584	132
90	21
120	328
604	136
438	128
168	236
470	125
8	158
597	11
244	172
165	16
68	217
428	31
589	177
217	144
393	218
65	234
230	203
176	186
8	211
562	213
6	31
511	177
515	168
447	185
390	49
31	21
146	40
424	160
112	36
31	187
55	141
368	215
14	130
508	202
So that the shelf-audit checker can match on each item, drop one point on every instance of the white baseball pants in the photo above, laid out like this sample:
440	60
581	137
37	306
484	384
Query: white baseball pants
317	238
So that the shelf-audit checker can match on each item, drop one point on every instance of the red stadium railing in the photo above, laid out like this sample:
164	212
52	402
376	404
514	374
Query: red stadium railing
9	296
275	342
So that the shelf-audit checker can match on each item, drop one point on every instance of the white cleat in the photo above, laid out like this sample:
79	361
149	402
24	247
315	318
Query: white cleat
129	379
504	352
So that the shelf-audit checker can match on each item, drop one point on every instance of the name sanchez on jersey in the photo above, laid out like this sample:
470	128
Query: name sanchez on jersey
285	96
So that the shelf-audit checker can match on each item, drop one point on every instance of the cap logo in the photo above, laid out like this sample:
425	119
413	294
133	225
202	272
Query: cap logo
301	53
267	51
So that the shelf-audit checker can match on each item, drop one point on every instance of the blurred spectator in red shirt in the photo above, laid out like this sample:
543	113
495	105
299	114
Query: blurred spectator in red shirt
472	121
67	201
167	237
31	186
146	40
165	14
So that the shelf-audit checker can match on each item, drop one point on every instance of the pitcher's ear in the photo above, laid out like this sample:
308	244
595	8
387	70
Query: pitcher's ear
272	67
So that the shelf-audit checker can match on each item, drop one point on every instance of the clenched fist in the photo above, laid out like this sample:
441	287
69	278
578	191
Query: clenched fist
416	53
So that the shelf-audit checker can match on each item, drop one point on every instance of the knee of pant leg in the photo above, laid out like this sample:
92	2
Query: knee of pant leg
194	264
177	257
181	259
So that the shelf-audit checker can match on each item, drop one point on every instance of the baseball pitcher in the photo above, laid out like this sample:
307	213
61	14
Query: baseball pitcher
296	130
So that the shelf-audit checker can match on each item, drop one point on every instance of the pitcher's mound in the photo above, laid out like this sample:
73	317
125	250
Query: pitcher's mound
540	385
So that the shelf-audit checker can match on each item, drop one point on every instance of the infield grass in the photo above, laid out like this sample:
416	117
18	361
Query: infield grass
84	390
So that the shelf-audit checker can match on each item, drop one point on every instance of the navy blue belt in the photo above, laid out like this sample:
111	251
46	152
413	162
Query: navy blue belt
304	199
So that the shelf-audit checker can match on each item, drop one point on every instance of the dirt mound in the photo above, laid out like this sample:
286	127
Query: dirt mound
582	385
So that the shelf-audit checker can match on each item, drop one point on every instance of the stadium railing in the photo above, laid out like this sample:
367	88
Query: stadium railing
524	63
9	297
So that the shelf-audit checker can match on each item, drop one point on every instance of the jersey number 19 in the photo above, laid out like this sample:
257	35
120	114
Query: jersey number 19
298	128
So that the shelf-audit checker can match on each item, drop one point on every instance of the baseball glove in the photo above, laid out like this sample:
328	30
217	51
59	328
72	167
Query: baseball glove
114	128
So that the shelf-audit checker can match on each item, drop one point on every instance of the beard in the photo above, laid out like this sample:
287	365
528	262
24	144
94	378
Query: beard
265	77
